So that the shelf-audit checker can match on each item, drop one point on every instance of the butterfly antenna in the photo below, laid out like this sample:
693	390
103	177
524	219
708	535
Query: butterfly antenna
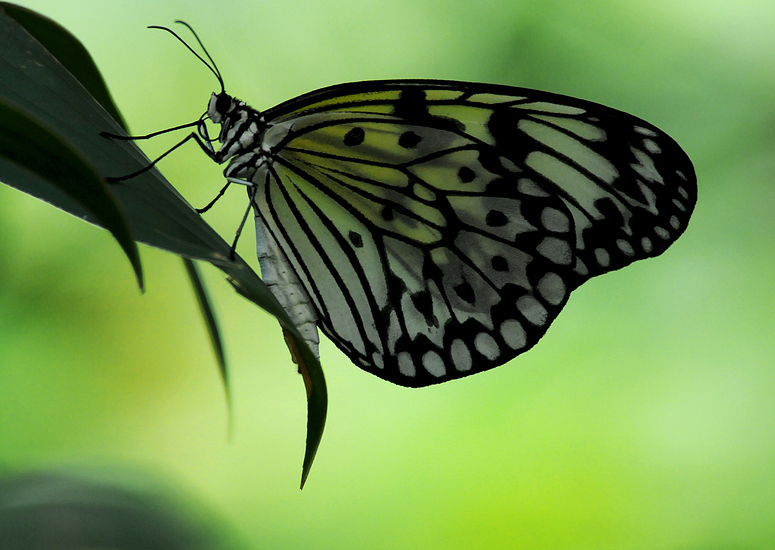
213	68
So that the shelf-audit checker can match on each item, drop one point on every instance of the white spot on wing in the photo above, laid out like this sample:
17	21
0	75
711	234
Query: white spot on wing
487	346
556	250
434	364
406	365
674	222
644	131
393	331
651	146
529	187
625	247
552	288
532	310
580	267
602	257
554	220
645	166
461	356
513	334
508	165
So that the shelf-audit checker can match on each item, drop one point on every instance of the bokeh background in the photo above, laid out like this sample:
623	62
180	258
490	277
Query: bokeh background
645	418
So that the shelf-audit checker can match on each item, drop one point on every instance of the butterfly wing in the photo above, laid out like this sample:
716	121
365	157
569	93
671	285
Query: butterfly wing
439	227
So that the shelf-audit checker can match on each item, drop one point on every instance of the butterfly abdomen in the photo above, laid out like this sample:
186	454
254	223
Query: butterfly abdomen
282	281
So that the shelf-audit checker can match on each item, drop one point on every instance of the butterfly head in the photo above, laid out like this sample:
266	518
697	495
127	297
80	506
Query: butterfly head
242	127
220	106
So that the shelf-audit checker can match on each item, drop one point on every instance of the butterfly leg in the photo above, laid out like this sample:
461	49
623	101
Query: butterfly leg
212	202
152	134
206	147
229	181
200	136
251	194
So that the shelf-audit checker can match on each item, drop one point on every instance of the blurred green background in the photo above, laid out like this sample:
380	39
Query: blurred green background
645	418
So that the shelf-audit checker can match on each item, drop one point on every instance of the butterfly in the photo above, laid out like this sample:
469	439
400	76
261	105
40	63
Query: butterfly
435	229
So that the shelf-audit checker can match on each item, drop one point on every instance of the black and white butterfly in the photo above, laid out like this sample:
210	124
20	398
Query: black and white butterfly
435	229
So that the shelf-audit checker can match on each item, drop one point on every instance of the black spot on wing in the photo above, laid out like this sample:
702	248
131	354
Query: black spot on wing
355	239
409	139
496	218
354	137
465	292
499	263
412	106
466	175
423	302
510	141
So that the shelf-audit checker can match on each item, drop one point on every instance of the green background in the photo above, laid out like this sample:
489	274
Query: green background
645	418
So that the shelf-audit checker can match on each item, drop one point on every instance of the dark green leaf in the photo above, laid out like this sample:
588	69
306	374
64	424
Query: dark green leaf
34	155
314	381
52	510
206	308
156	213
74	57
69	52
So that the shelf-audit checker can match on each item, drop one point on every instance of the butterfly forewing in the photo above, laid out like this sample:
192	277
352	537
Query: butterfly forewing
439	227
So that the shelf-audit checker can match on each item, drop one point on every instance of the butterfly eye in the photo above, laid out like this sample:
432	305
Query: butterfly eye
222	103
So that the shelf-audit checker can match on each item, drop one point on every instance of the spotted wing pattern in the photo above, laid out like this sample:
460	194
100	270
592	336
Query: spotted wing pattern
439	227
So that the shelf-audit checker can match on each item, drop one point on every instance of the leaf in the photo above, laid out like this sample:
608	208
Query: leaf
68	51
74	57
35	154
66	510
35	147
317	402
34	82
206	308
317	394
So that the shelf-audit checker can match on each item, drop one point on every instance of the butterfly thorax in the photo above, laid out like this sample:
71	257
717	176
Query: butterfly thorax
241	135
